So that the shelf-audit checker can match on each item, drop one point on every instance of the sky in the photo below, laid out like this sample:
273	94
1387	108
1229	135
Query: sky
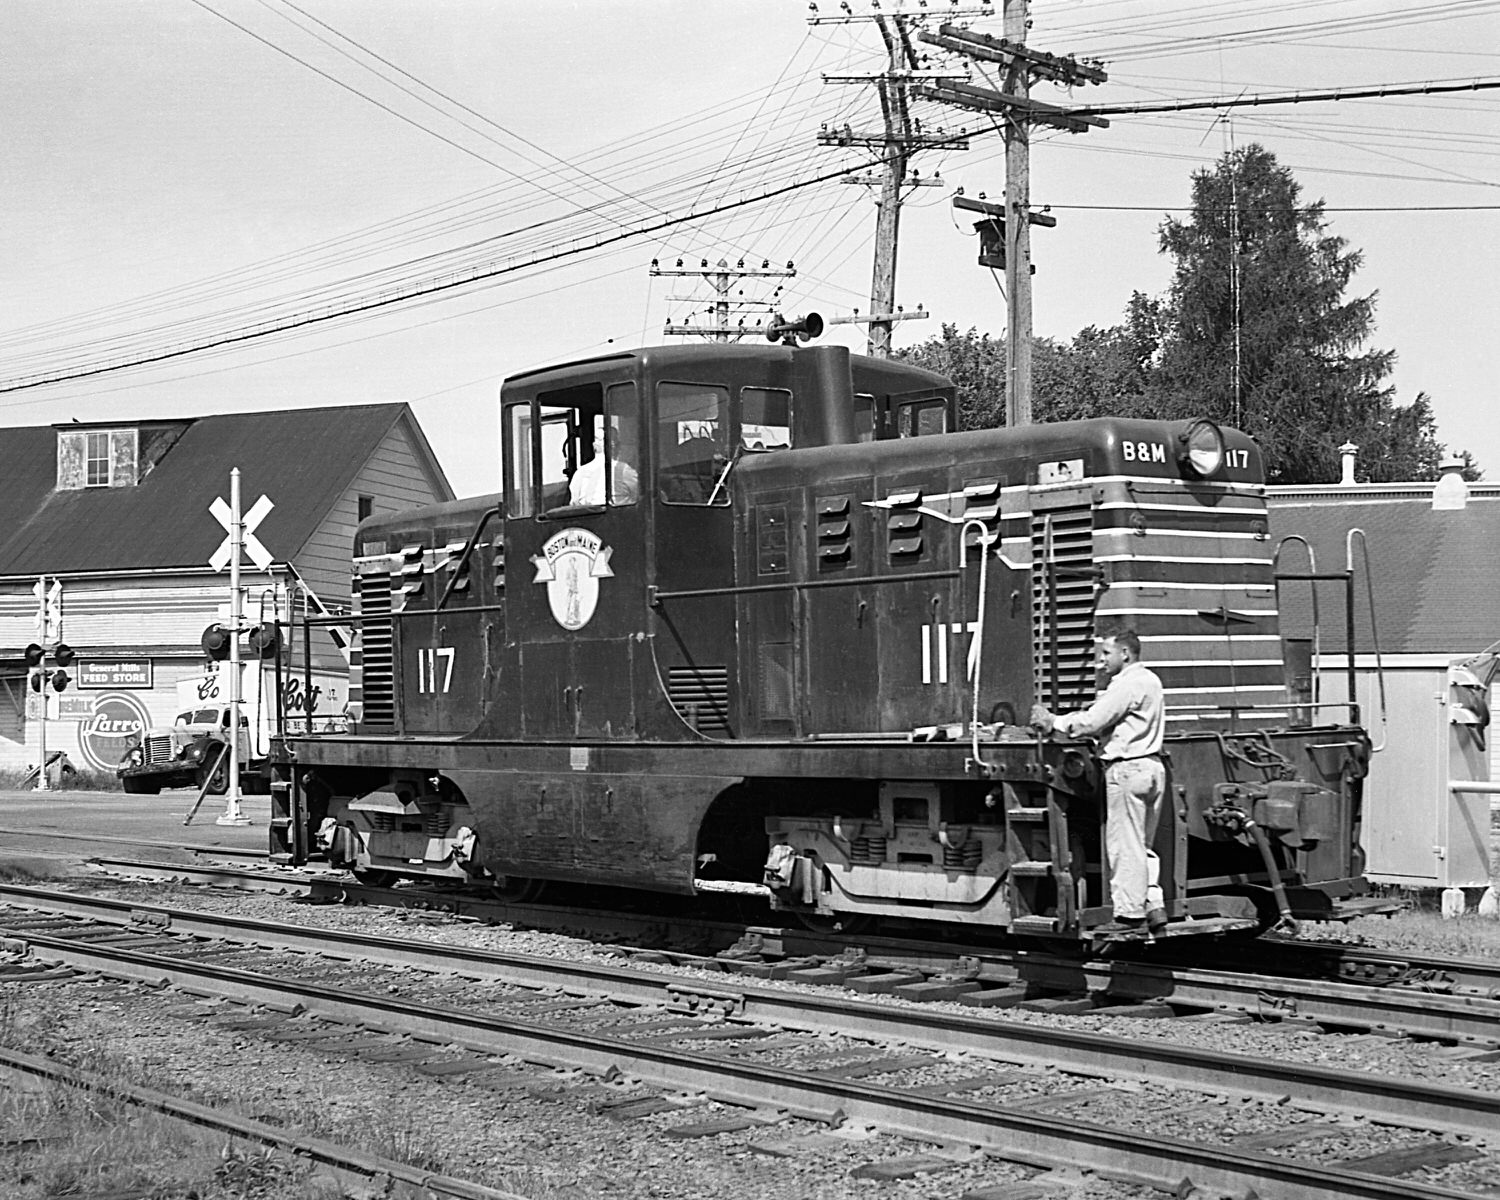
498	177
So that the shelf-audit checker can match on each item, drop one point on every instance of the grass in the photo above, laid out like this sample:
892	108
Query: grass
25	873
1417	931
57	1140
78	780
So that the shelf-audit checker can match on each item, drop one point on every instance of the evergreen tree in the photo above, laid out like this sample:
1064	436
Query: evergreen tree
1256	332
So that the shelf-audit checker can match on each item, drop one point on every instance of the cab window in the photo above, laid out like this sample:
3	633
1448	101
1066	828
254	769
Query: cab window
765	418
692	442
576	447
918	418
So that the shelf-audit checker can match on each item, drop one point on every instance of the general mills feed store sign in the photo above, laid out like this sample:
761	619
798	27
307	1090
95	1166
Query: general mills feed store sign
107	675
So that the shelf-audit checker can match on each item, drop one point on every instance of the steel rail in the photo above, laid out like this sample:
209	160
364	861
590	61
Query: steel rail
1358	1093
242	878
1141	1158
1436	1016
1429	973
1439	1015
154	843
230	1123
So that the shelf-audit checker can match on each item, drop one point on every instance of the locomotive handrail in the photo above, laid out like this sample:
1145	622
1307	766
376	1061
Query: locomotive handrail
656	596
985	540
1347	579
1317	638
463	559
1364	548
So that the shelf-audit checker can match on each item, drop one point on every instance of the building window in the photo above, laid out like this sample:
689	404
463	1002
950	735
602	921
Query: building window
366	506
97	458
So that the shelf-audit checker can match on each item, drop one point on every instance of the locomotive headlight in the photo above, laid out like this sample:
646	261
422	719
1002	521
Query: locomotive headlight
1200	448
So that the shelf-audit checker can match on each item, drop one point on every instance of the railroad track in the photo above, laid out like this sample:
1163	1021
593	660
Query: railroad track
49	835
750	1051
1335	987
348	1164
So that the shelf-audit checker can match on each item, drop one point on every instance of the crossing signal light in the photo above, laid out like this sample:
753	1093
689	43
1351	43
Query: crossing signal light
63	655
34	655
215	642
60	681
36	681
264	640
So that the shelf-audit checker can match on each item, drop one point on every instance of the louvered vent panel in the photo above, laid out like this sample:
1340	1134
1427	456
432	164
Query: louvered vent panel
701	697
1071	685
834	533
377	669
981	503
903	527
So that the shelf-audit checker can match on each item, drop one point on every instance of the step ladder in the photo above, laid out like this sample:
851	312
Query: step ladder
288	816
1041	882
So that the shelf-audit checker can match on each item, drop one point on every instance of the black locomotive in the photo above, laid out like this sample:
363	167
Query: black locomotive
757	618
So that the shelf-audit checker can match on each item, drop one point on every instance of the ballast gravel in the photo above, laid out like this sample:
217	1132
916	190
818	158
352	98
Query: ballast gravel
550	1136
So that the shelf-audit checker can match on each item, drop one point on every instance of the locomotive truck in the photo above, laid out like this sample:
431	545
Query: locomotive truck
784	644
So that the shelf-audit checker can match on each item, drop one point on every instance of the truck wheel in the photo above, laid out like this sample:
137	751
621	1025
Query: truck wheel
219	784
140	787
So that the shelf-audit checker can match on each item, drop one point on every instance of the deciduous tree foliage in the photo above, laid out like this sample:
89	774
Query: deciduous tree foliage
1255	331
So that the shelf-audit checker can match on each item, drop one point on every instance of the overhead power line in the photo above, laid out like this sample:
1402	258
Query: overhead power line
415	290
1373	92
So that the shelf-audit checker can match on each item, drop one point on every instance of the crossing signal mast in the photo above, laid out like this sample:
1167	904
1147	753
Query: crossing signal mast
42	677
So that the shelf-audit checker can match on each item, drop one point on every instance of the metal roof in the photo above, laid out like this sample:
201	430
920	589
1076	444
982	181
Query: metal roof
303	459
1435	573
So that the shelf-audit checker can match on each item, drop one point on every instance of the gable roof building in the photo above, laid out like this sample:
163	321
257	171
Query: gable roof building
1432	559
118	514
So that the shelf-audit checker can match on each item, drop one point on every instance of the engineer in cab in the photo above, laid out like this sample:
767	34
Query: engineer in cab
588	485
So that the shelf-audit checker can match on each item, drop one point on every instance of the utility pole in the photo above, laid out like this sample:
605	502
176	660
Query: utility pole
899	139
722	279
1019	64
1017	229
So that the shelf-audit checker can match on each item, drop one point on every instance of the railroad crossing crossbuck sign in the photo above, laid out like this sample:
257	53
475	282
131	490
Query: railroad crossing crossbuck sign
259	555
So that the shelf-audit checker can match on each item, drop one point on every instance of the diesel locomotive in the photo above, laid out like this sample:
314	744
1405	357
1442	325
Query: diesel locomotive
760	619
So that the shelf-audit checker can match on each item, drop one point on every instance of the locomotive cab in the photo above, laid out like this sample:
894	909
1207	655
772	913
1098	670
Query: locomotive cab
620	490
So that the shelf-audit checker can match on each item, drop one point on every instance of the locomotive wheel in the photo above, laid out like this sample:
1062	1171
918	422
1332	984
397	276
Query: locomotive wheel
375	877
850	924
517	889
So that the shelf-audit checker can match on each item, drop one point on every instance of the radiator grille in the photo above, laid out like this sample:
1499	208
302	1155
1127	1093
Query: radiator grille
376	668
158	749
1063	566
701	697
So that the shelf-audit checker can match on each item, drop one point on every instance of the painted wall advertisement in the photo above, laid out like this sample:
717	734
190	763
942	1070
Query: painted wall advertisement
118	720
107	724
